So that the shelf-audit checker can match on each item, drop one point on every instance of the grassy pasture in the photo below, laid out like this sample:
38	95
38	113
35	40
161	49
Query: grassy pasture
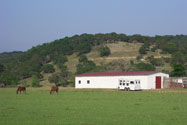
93	107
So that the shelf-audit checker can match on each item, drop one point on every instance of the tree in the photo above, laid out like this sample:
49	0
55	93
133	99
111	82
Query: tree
54	78
2	68
9	78
48	68
178	70
35	81
104	51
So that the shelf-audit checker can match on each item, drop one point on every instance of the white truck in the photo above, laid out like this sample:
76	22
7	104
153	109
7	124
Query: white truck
128	85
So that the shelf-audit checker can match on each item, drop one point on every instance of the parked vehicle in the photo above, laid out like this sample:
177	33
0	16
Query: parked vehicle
128	85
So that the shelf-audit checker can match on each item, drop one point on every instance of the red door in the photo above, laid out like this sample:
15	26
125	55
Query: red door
158	82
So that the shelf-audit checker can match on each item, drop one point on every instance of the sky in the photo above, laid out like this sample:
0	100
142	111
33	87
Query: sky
28	23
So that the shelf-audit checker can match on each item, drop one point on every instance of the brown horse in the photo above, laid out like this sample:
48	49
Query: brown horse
54	88
21	88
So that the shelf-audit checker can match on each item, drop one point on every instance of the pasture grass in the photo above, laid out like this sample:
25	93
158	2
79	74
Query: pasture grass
93	107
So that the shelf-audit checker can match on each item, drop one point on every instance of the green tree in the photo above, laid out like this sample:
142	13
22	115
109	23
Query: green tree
35	81
48	68
104	51
9	78
2	68
178	70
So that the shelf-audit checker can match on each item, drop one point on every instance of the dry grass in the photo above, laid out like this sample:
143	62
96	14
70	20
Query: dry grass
119	51
72	62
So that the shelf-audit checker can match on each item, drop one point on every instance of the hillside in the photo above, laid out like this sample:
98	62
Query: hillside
61	59
120	51
9	56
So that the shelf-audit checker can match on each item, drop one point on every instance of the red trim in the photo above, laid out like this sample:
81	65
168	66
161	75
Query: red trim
117	73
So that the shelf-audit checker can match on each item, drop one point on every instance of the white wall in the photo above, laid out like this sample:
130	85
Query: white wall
152	80
108	81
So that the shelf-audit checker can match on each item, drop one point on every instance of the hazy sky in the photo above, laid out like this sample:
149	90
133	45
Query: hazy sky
27	23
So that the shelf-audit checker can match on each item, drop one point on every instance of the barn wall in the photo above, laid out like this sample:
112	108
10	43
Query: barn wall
152	80
107	81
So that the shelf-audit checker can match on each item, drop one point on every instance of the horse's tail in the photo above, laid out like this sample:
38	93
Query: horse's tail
50	92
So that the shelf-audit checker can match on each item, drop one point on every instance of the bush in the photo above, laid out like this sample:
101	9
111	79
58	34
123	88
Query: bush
35	81
104	51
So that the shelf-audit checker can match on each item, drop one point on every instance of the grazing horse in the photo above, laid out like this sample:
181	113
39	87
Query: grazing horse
54	88
21	88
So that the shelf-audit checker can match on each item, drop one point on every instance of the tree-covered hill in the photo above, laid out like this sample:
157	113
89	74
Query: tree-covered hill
43	58
9	56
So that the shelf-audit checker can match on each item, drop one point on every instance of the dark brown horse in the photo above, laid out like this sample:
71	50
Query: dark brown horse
21	88
54	88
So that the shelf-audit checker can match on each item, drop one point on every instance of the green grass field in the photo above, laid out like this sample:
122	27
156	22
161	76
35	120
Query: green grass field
93	107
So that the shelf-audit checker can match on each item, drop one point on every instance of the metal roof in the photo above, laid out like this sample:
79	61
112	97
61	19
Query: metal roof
117	73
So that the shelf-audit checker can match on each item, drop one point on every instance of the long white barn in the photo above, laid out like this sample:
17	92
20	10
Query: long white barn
146	79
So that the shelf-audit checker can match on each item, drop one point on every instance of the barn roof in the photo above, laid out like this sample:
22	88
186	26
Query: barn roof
117	73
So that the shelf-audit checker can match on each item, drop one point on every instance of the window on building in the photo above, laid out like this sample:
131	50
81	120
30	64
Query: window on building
79	81
88	81
132	82
127	84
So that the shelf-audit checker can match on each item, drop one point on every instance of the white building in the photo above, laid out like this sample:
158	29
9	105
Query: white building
146	79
